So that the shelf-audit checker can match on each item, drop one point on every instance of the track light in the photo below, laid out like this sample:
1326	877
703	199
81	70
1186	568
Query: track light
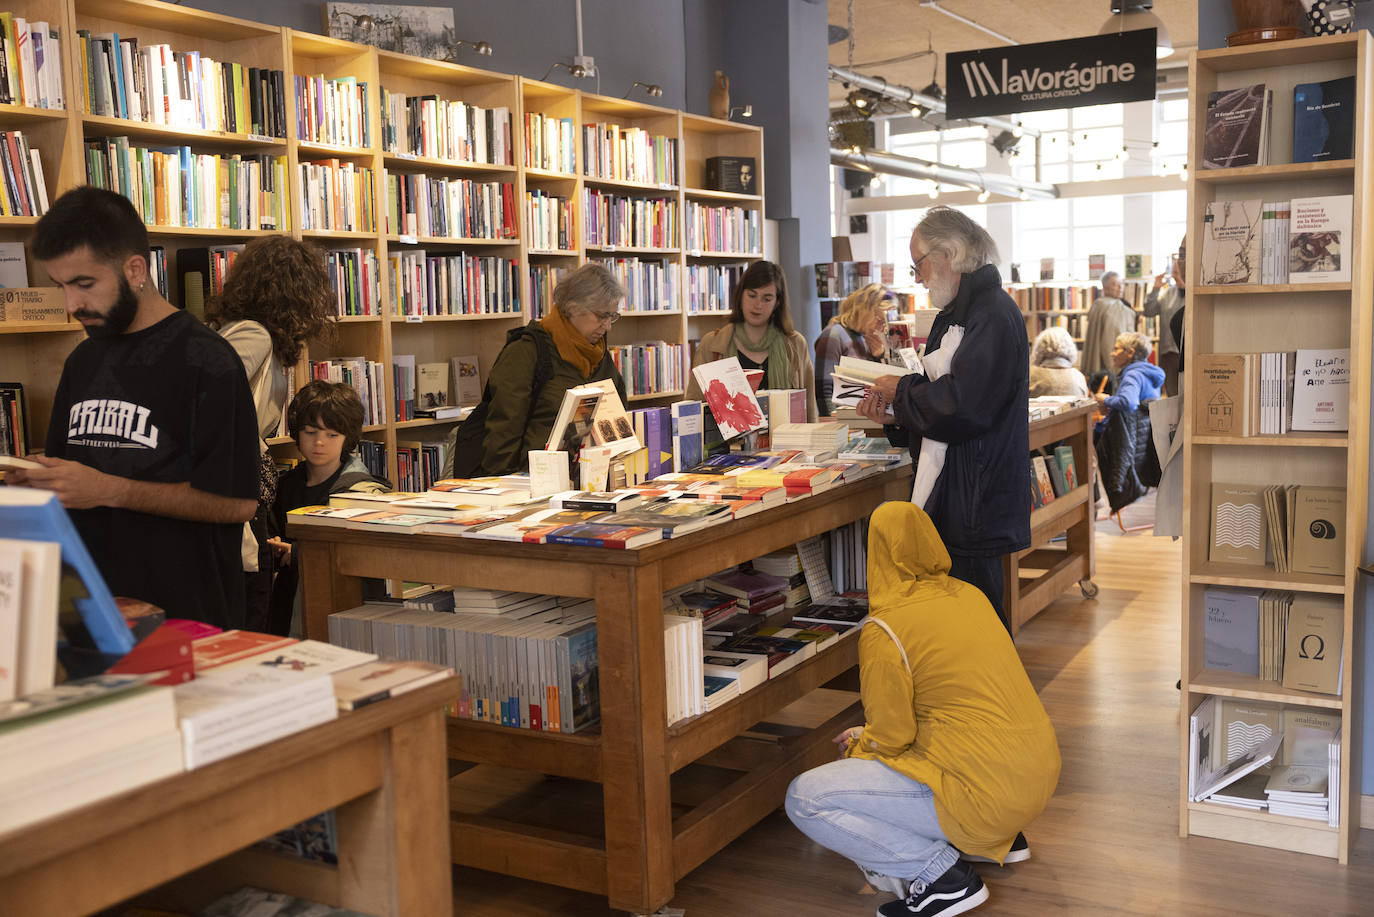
360	20
577	70
934	190
984	195
481	47
745	111
1024	195
1005	142
652	89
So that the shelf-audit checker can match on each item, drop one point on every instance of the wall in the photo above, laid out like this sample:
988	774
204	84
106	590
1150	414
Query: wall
1215	22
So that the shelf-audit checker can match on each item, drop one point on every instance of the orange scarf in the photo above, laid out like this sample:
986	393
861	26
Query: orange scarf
572	346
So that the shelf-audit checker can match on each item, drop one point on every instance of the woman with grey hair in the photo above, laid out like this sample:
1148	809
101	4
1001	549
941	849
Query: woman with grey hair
1140	380
1052	371
539	363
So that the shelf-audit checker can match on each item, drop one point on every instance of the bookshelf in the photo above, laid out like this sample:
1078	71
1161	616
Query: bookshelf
1067	303
1244	318
36	352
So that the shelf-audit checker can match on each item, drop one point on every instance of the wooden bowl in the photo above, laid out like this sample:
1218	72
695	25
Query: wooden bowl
1255	36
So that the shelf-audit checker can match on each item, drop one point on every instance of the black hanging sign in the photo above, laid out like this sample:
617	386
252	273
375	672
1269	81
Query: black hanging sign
1117	67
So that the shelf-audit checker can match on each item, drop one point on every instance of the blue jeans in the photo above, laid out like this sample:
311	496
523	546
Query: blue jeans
878	818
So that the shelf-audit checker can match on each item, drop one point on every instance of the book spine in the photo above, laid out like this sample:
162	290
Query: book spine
293	718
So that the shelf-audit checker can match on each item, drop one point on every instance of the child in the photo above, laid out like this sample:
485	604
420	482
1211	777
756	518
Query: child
326	420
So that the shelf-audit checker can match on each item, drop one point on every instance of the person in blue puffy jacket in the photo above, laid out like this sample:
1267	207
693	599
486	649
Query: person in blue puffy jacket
1140	380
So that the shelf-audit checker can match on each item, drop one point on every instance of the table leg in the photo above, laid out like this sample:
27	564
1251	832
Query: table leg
394	842
324	590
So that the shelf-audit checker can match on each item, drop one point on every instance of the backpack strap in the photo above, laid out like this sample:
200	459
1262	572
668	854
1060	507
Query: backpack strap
884	625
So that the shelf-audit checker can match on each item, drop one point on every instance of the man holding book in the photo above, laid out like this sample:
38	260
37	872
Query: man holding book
153	443
980	499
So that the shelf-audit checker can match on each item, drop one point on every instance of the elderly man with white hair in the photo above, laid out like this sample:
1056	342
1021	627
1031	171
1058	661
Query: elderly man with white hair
980	502
1107	318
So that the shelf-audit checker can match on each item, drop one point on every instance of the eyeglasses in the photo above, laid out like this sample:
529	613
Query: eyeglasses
606	318
916	265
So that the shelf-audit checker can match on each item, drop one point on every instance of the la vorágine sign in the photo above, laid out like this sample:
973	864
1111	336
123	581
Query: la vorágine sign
1117	67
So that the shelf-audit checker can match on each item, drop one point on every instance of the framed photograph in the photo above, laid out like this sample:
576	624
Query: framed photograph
425	31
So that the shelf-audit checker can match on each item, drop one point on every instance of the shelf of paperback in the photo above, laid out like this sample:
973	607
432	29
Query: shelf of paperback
1293	206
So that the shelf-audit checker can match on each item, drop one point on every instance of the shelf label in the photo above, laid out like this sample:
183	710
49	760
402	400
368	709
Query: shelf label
409	240
609	248
695	253
410	156
263	138
414	319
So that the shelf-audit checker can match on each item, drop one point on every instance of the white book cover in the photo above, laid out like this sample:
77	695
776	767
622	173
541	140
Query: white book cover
14	270
1321	390
31	634
233	696
727	392
1320	242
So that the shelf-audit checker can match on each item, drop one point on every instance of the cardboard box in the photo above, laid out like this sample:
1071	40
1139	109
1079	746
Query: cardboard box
32	305
737	174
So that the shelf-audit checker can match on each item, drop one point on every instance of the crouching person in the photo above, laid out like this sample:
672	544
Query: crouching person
956	755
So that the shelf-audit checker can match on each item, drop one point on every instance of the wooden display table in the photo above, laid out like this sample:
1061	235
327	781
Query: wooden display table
1072	515
646	846
381	766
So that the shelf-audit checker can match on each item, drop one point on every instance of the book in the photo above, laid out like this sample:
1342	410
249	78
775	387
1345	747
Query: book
479	492
1134	267
1321	390
14	271
431	388
30	584
233	645
1319	531
747	585
1046	268
605	535
1307	733
597	501
1223	397
1231	631
872	449
1236	128
302	656
467	380
1063	455
1320	243
574	421
687	430
677	518
1238	767
1203	751
549	472
380	679
1040	476
1231	242
730	398
235	708
611	426
1324	120
1238	532
1313	644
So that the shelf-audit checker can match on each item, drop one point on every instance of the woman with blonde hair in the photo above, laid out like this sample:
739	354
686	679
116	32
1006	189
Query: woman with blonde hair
1052	370
858	330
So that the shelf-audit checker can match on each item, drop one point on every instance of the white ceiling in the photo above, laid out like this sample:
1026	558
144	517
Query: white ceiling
888	29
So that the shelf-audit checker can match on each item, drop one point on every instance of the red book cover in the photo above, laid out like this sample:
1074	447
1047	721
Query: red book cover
233	645
165	649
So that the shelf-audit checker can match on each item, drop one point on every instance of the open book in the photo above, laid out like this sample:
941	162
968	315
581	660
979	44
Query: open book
611	425
853	377
1252	760
575	417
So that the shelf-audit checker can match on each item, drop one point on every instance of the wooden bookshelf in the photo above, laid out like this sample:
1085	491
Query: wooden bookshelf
1250	317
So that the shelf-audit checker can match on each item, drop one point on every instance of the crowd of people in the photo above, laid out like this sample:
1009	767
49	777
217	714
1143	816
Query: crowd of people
158	450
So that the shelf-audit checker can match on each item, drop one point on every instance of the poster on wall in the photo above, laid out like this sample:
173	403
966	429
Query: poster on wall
1117	67
424	31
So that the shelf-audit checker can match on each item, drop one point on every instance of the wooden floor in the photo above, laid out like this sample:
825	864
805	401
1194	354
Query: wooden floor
1108	842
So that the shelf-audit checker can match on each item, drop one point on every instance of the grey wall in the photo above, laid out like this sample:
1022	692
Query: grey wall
1215	22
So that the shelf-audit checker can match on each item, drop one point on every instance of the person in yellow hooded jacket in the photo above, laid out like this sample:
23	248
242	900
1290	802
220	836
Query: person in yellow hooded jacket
956	755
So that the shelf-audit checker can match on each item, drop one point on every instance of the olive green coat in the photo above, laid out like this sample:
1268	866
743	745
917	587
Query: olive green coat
512	427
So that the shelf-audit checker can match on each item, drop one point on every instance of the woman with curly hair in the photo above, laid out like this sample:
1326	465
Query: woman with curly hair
275	298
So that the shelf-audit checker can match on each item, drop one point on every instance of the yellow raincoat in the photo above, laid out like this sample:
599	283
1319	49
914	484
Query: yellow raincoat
964	718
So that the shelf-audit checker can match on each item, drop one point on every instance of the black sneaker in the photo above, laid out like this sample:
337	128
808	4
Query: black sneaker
955	892
1019	853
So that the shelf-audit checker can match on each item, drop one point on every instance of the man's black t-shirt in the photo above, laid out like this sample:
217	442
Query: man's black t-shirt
167	404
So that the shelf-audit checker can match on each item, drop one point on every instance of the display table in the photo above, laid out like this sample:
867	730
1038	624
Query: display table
650	839
381	766
1040	574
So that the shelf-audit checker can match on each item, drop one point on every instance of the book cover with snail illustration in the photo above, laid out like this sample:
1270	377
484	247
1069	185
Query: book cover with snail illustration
1319	240
1319	530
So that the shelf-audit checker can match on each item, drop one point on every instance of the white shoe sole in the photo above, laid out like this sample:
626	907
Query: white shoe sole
1013	856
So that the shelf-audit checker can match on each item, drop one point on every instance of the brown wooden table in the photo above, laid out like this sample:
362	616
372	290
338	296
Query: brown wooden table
381	766
1071	515
633	754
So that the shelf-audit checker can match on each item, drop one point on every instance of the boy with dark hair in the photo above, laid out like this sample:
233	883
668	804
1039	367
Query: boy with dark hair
326	420
152	443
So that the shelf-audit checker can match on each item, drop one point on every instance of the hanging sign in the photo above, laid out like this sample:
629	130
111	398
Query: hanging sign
1117	67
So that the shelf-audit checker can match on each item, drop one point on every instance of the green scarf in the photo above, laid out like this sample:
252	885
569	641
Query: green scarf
774	343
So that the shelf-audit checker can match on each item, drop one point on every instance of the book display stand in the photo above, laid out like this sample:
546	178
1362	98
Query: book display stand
1245	318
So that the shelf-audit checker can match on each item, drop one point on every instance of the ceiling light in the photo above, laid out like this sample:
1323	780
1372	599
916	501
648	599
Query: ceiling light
1005	142
984	195
745	111
1024	195
1129	15
934	191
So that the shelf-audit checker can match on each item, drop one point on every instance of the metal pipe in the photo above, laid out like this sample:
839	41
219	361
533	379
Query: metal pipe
910	96
891	164
933	5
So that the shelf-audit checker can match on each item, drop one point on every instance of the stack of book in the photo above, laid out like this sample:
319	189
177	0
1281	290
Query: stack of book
786	564
1299	791
755	593
816	439
1300	526
684	680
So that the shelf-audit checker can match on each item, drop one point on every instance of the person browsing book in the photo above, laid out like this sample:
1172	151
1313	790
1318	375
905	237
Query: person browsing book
539	363
980	500
153	443
326	421
1166	301
275	298
761	335
1052	371
858	330
1140	380
956	756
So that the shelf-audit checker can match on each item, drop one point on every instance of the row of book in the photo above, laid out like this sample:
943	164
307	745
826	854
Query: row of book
155	84
650	285
178	187
26	190
423	205
837	279
337	196
178	701
709	286
1236	127
1052	475
1300	526
629	154
445	129
723	229
1245	241
543	278
649	367
550	224
1249	394
366	378
419	464
353	279
1072	297
635	222
14	420
30	63
1284	759
332	111
428	283
550	143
